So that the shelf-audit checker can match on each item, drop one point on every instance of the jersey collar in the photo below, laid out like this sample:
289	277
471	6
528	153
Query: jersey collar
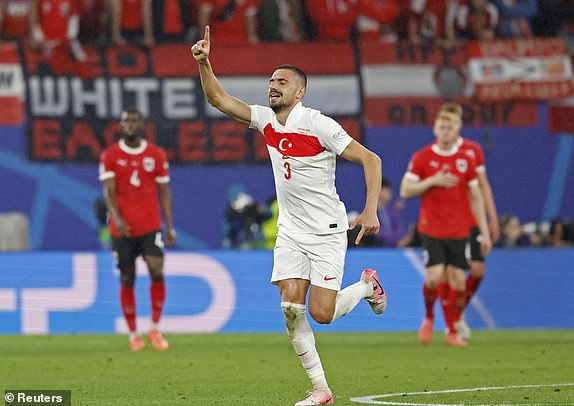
132	151
450	152
295	113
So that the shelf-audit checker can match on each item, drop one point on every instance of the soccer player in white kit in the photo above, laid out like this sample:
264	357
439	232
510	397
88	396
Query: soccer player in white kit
311	243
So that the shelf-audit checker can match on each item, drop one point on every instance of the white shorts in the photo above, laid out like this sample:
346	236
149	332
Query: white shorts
316	258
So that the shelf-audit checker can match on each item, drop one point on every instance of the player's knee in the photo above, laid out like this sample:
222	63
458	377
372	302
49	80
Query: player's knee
156	276
127	279
291	293
477	269
322	315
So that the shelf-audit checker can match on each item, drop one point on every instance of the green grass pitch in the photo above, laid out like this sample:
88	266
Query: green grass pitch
261	369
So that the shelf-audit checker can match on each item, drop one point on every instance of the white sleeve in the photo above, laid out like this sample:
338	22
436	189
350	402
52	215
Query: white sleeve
260	117
331	135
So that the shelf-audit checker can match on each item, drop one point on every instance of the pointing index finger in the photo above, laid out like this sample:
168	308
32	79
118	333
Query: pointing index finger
206	35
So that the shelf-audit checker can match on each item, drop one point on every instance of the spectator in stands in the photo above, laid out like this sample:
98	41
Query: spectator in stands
336	20
93	20
235	21
377	18
392	230
515	17
54	27
333	20
477	20
512	235
431	22
282	21
14	18
131	20
171	20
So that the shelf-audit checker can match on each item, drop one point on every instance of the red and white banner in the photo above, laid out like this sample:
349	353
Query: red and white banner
404	85
74	108
529	69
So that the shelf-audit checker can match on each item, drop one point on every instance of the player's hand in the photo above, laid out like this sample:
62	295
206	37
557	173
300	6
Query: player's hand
444	179
485	245
369	225
170	237
122	227
201	48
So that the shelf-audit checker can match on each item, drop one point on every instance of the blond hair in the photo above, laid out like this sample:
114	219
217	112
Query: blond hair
452	108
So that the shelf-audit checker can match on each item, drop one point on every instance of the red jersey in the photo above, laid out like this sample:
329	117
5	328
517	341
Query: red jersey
53	17
228	18
434	16
334	19
132	14
473	150
137	172
16	18
444	212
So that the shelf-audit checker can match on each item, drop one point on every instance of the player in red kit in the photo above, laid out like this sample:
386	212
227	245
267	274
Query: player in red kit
477	260
445	177
134	174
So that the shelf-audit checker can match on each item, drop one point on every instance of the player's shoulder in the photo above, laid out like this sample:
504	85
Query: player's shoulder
111	150
424	152
466	143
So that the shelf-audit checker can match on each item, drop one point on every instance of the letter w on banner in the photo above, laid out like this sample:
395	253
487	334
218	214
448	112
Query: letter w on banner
529	69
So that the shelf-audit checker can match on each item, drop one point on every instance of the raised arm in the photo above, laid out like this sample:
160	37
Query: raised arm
216	95
373	169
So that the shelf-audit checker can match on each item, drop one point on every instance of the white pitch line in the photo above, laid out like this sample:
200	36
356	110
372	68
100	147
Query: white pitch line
370	400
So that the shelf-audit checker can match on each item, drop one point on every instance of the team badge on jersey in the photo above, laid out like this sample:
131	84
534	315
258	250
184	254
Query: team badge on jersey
461	165
148	164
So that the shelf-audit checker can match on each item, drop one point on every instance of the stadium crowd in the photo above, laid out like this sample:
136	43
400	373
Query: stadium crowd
49	23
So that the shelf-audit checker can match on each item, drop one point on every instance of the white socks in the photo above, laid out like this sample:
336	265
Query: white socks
349	297
303	342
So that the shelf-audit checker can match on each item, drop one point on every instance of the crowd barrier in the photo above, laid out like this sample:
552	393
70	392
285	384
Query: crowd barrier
229	291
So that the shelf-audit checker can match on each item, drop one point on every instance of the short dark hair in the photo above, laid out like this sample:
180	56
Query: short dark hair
297	70
132	110
385	183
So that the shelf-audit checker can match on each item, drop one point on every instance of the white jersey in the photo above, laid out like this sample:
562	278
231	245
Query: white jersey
303	155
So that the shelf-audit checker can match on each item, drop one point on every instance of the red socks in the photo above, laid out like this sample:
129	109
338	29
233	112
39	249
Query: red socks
443	293
128	302
472	284
157	293
456	303
429	295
